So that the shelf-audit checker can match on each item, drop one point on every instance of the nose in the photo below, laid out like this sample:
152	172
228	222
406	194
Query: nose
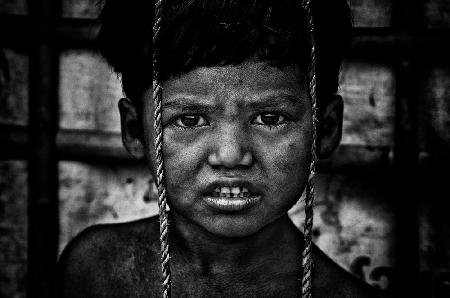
231	149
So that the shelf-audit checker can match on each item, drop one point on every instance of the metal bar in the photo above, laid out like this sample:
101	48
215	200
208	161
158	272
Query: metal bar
92	146
98	147
391	43
357	159
408	21
79	145
406	172
43	220
59	31
14	142
81	33
42	172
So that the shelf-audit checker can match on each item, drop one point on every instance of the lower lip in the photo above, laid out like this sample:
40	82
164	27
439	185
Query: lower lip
232	204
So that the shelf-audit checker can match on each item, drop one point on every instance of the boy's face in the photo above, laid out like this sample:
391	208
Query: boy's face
237	144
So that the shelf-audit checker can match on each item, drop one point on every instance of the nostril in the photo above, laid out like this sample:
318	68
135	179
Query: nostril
224	158
247	159
230	160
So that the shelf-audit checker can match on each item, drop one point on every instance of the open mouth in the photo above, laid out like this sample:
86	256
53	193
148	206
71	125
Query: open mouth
232	198
231	192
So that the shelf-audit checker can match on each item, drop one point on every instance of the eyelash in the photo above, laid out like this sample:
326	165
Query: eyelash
281	121
178	120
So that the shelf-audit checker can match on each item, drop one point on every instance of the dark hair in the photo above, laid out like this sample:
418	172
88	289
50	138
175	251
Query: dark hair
210	32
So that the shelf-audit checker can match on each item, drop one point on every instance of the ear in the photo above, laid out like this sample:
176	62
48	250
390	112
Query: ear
131	128
329	128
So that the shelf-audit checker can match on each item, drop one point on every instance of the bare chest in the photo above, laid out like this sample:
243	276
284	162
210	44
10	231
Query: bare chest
146	282
235	284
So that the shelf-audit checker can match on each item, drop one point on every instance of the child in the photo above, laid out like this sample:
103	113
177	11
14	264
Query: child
236	112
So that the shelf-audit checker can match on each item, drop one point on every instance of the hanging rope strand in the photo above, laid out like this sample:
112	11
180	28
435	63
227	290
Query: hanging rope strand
162	201
309	198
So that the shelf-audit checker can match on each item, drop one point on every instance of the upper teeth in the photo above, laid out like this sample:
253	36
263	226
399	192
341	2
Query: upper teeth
231	191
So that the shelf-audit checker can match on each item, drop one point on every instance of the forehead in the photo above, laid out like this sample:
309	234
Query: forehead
248	76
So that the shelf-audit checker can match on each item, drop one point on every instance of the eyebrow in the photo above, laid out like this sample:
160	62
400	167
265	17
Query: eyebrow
275	100
188	104
271	101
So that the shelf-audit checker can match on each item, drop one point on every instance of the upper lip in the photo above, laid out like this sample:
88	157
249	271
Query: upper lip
232	183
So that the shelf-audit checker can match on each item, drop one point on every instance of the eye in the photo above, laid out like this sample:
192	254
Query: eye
269	119
190	121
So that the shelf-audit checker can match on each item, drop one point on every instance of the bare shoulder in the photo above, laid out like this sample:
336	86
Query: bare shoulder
330	280
106	259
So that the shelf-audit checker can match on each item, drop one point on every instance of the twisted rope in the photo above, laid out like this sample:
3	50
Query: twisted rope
162	201
309	198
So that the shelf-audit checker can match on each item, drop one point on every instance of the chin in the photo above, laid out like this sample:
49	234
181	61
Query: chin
233	226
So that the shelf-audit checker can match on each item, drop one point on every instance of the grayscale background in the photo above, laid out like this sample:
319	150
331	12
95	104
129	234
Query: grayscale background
382	207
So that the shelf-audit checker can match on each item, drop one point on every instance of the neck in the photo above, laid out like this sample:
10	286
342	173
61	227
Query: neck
202	249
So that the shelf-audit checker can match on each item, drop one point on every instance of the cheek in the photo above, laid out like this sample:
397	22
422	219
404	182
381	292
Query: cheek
182	161
294	159
178	155
288	165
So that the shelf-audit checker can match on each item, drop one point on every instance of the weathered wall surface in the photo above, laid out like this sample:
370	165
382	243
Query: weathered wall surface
13	228
368	91
92	194
437	13
14	95
353	224
18	7
371	13
13	178
435	104
89	92
80	8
